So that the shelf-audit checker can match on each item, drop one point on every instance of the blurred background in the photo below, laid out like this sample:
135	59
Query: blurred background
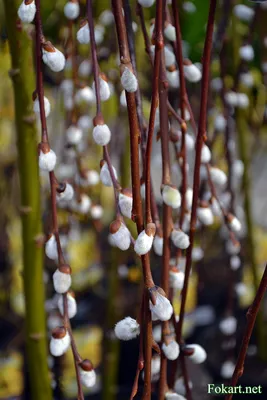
106	281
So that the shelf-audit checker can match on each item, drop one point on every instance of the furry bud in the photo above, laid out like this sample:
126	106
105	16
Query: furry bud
67	194
104	88
105	175
71	305
243	12
74	135
82	205
169	32
84	95
180	239
126	202
191	72
51	248
85	123
127	329
158	245
60	341
173	396
205	154
47	158
101	133
234	223
146	3
220	123
87	373
218	176
129	81
173	78
144	242
227	369
26	11
171	350
62	279
120	235
242	100
162	309
199	355
176	278
231	98
47	106
97	212
205	215
92	177
53	58
171	196
83	34
228	325
72	10
246	52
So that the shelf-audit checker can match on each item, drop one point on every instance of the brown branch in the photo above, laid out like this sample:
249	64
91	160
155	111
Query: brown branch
251	318
199	142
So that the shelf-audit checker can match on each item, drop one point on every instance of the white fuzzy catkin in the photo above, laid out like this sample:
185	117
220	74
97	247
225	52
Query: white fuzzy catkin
169	32
220	122
192	73
231	98
173	79
97	212
126	205
242	100
127	329
228	325
85	69
92	177
158	245
83	205
243	12
123	101
58	347
143	243
74	134
88	378
54	60
176	279
105	175
162	309
179	386
47	161
104	89
61	281
85	123
47	106
247	79
171	350
189	7
146	3
189	198
232	248
171	196
51	248
227	369
235	225
26	12
180	239
246	52
205	154
199	355
169	57
72	10
205	215
67	194
84	95
173	396
106	18
72	305
218	176
83	34
122	238
235	263
101	134
129	81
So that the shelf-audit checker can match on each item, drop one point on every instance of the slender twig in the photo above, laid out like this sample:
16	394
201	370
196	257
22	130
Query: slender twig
251	318
199	142
137	214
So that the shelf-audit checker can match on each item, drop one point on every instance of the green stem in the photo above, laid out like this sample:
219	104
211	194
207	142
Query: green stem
22	74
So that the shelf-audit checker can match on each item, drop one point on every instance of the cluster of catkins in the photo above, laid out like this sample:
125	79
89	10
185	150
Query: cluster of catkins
210	207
